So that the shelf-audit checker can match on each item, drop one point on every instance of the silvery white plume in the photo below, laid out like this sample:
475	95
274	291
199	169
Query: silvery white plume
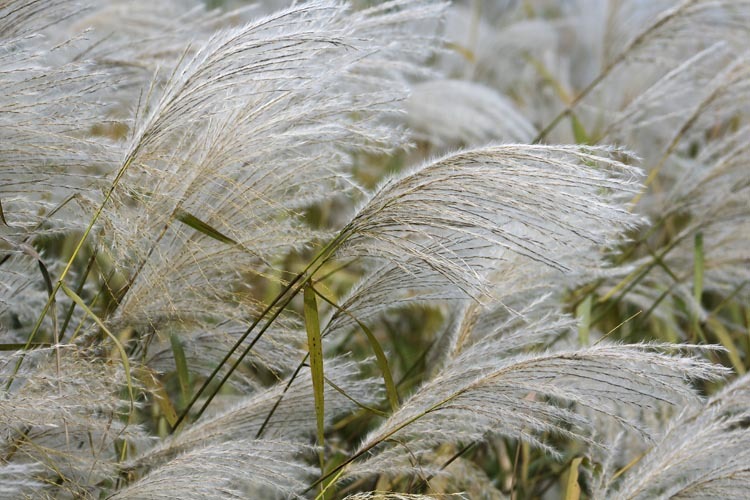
703	454
529	395
288	86
202	147
290	407
47	103
452	113
243	468
535	202
62	417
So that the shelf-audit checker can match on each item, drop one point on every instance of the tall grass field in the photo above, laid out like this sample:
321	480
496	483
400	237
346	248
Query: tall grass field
365	250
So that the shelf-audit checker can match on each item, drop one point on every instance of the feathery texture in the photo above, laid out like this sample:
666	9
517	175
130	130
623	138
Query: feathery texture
62	417
534	201
451	113
46	103
294	418
704	453
289	86
184	174
526	396
244	468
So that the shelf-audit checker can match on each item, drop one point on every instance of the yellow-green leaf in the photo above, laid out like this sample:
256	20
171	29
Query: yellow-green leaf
123	355
382	360
725	339
325	485
315	348
572	488
202	227
467	53
698	267
583	312
183	376
579	132
390	385
160	394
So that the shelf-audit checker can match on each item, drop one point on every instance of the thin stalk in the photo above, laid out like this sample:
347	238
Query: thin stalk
406	376
281	397
79	291
354	457
122	291
291	289
382	439
425	481
681	133
382	361
513	481
632	280
293	376
622	56
234	348
69	264
247	350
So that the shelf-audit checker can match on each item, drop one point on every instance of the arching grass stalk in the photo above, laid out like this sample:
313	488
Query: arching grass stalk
282	300
621	57
692	120
391	388
635	277
345	463
69	264
281	397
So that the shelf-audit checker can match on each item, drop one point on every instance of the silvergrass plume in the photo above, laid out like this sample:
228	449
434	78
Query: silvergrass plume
498	316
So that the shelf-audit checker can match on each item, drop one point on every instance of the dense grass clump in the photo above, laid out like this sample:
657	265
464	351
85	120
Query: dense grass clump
403	249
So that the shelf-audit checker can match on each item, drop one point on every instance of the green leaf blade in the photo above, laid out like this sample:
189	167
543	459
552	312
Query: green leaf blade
123	355
315	348
202	227
380	357
180	361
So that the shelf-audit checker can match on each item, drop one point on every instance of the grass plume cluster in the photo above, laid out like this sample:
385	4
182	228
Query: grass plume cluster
402	249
